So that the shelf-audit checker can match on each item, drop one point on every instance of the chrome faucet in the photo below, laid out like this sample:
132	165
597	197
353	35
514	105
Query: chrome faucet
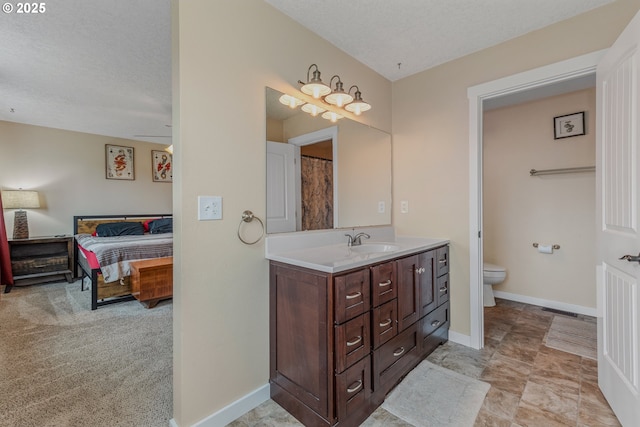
356	240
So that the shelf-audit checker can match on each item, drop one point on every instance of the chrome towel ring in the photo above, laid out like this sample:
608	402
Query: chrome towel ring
248	216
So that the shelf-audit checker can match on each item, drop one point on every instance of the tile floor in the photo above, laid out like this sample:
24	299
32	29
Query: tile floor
531	385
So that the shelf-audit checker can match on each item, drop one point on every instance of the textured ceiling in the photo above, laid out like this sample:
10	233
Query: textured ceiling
104	66
420	34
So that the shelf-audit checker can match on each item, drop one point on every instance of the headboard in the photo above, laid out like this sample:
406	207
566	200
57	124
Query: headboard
86	224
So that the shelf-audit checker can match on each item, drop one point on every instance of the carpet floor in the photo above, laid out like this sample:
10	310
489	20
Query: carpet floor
62	364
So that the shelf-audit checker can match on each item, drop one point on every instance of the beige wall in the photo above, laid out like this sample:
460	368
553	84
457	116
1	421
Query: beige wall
227	53
549	209
431	131
68	170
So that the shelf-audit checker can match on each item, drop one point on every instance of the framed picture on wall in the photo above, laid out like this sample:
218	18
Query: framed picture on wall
119	162
568	125
162	166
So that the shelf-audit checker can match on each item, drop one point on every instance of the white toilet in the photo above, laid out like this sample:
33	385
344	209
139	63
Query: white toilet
491	275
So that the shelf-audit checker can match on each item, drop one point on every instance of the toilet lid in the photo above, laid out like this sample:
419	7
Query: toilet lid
492	267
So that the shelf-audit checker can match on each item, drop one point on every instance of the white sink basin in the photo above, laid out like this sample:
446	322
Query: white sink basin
370	248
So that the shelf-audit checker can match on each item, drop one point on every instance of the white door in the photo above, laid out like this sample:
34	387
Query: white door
618	213
281	187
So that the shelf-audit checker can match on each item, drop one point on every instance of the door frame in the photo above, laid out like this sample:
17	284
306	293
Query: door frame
539	77
308	139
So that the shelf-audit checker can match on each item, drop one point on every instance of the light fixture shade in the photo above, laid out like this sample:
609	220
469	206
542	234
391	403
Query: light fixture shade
290	101
313	109
357	107
330	115
169	149
20	199
314	86
338	97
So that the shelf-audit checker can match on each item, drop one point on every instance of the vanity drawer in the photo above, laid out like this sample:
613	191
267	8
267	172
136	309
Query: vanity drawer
383	283
385	323
442	289
394	359
353	388
352	341
351	295
434	320
442	261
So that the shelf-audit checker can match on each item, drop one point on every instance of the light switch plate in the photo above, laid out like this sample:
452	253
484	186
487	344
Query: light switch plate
209	208
404	206
381	207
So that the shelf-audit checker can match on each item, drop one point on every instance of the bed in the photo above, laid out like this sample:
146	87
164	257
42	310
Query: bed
104	260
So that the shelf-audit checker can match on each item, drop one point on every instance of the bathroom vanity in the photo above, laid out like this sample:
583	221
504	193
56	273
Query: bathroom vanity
348	323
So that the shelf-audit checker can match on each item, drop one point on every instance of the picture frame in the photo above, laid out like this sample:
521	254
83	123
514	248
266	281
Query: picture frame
162	166
569	125
119	162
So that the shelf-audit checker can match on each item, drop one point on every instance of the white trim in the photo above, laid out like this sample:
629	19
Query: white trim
235	410
311	138
459	338
571	308
561	71
172	423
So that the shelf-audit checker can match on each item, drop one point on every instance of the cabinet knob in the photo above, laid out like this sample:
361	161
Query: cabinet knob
443	289
435	323
384	284
442	261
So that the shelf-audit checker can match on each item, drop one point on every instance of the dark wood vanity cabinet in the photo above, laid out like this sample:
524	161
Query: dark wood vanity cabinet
340	342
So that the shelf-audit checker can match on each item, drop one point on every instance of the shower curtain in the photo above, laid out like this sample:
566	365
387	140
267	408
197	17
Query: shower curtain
6	275
317	193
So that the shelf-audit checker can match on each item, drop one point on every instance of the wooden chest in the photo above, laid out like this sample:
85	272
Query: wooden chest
152	280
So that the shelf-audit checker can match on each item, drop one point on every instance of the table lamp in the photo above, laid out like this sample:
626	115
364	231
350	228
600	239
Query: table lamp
20	199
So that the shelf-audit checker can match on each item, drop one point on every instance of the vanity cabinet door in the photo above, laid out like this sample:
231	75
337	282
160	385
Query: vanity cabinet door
351	295
425	275
383	283
408	292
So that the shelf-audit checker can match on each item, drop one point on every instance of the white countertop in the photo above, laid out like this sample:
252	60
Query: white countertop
301	250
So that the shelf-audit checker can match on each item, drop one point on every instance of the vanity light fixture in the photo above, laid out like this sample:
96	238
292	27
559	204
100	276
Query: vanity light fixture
357	106
338	96
314	86
291	101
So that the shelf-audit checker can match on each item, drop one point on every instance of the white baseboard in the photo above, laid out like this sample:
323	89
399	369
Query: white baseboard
234	410
459	338
572	308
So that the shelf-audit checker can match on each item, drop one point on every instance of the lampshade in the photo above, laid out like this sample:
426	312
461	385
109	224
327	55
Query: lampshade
330	115
312	109
290	101
315	87
338	97
20	199
169	149
358	105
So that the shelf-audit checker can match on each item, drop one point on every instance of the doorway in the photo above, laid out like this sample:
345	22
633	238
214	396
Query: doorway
523	83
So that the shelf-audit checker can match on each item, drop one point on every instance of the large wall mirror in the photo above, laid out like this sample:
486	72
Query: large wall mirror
323	175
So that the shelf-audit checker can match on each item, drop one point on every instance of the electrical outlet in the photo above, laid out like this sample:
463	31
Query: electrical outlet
404	206
209	208
381	207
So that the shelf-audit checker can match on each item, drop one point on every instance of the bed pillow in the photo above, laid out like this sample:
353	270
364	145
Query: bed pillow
120	229
164	225
146	224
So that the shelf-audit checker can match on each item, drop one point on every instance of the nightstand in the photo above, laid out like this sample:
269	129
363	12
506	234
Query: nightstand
41	259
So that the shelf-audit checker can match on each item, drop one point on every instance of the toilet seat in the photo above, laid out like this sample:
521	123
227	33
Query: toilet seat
487	267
